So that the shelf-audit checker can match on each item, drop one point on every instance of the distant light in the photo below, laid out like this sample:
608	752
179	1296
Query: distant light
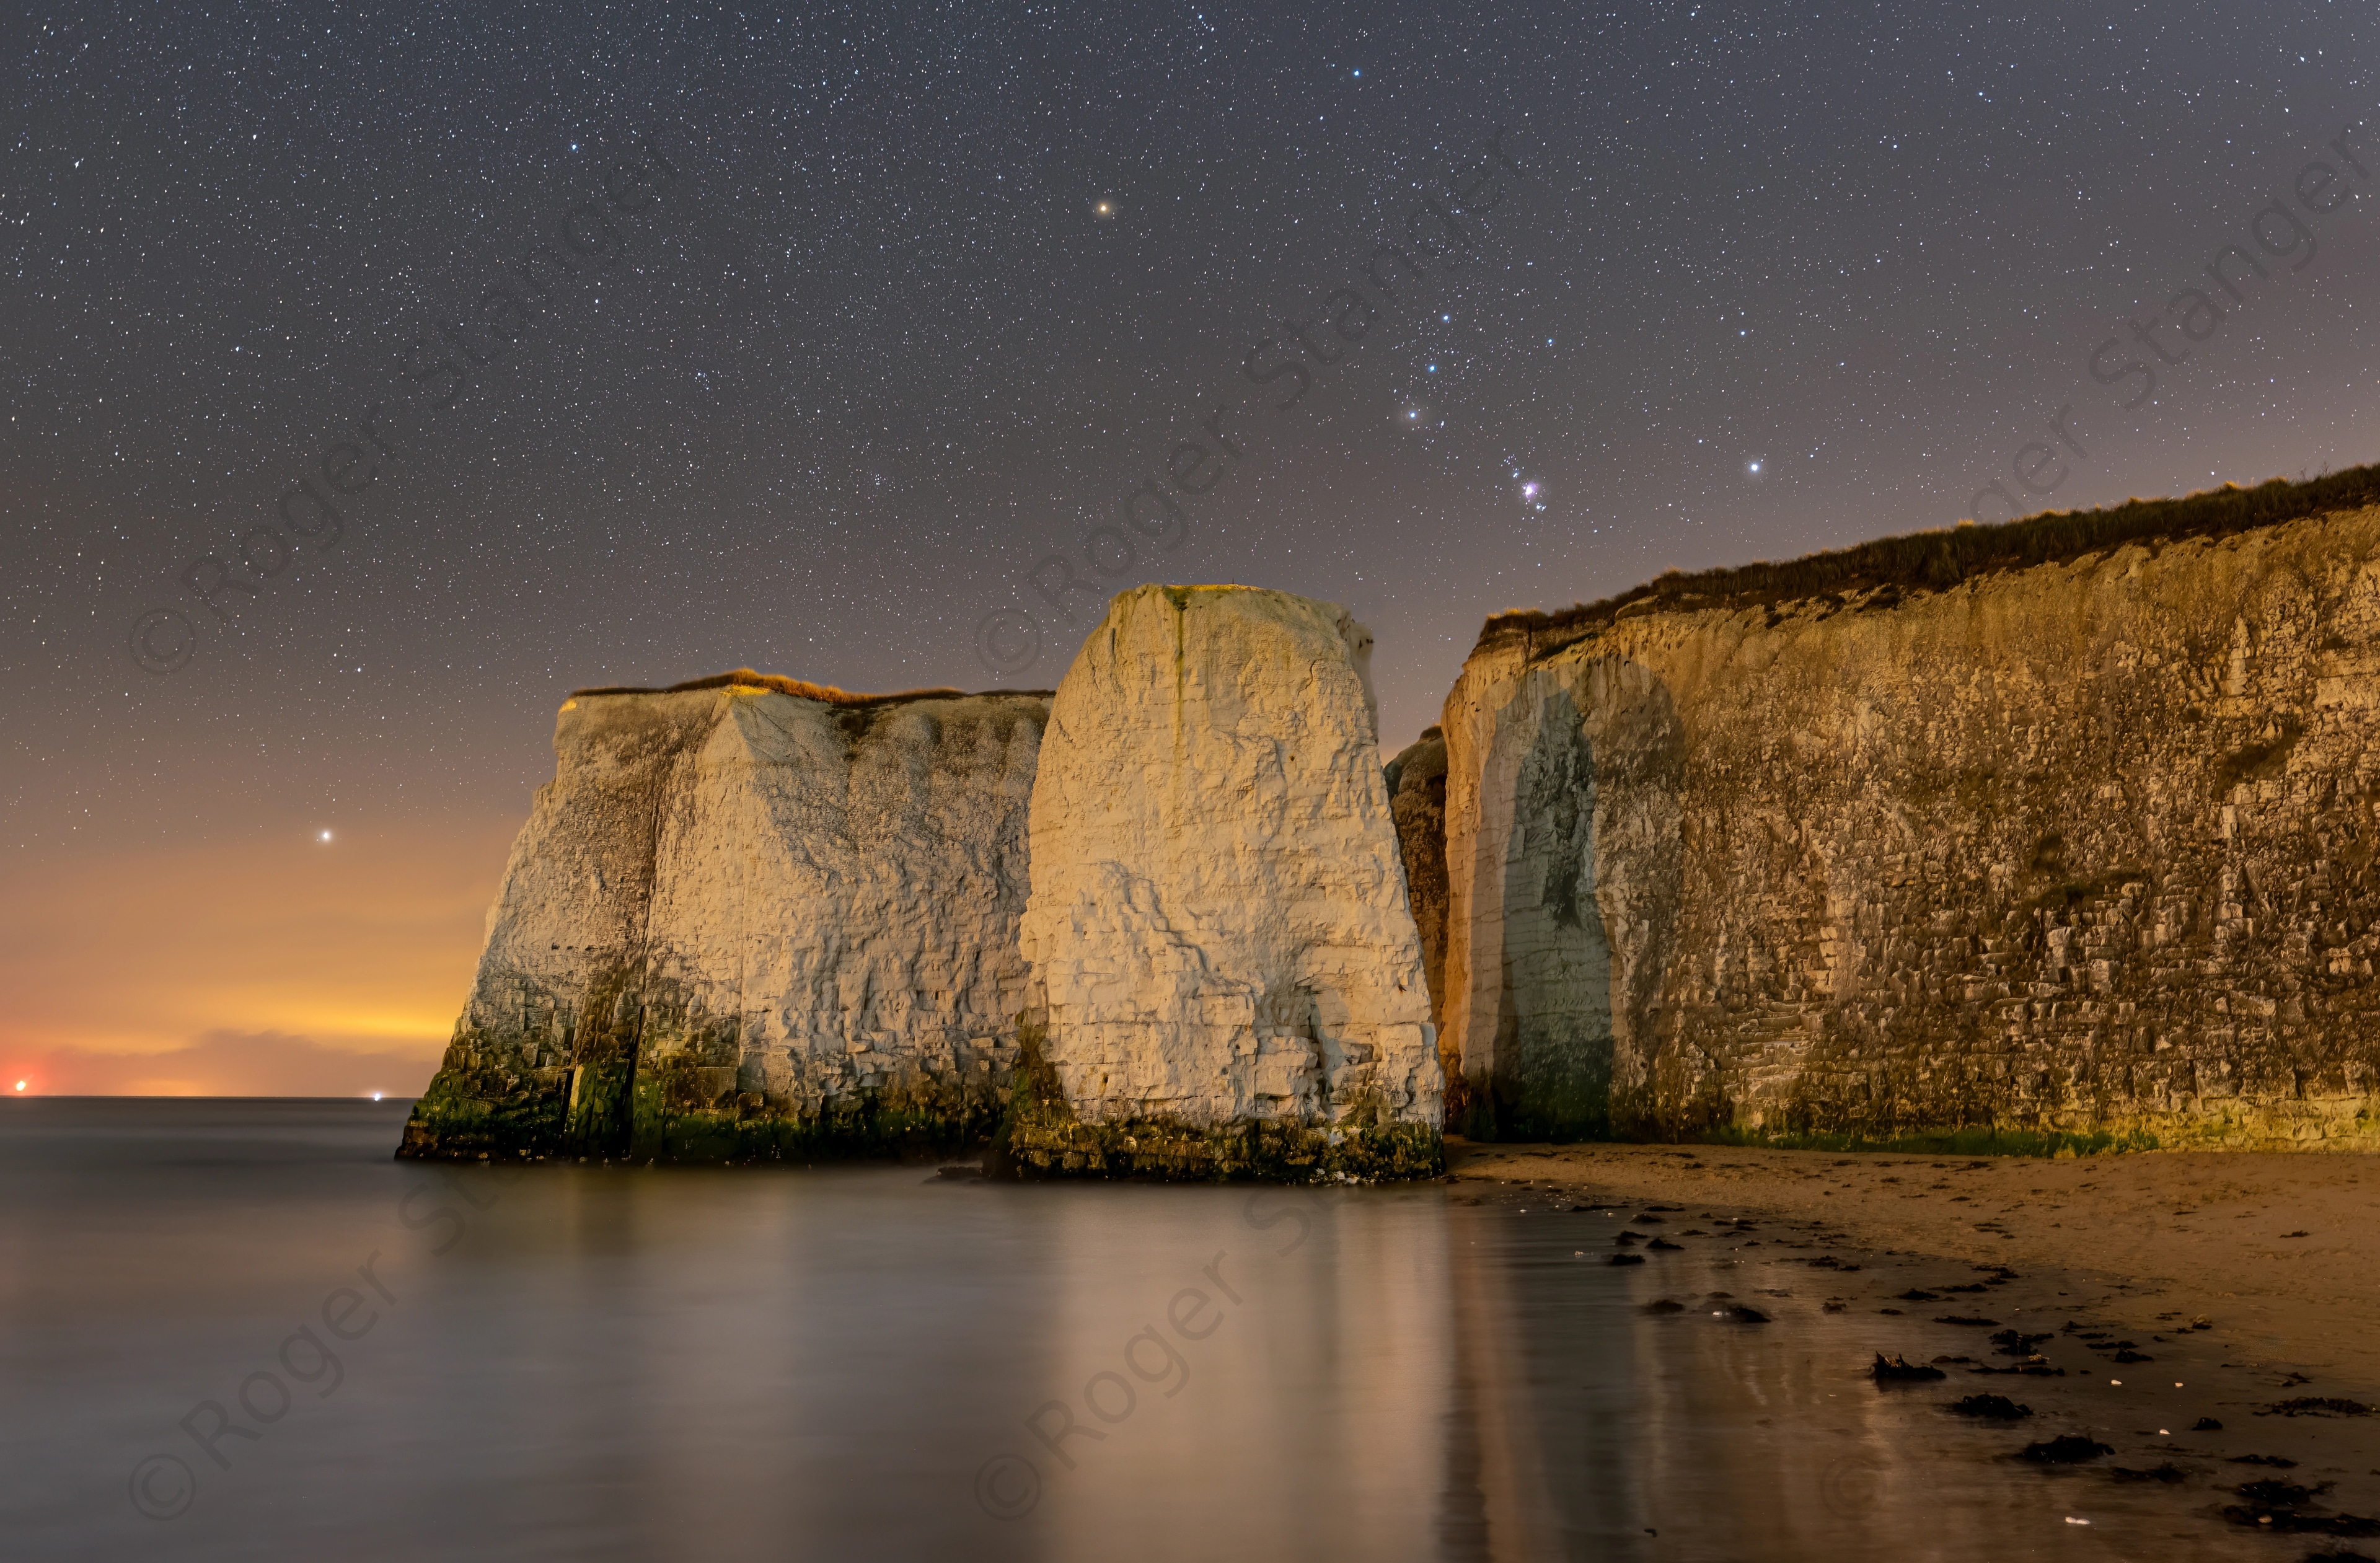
1413	415
21	1084
1754	468
324	837
375	1096
1433	369
574	146
1359	73
1528	490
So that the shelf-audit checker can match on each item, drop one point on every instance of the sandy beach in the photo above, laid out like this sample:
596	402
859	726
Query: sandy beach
2269	1248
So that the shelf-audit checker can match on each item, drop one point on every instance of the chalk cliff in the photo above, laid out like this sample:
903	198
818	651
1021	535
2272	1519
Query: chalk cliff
1217	917
2062	832
751	917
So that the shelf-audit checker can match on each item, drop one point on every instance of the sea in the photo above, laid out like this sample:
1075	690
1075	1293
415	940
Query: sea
241	1330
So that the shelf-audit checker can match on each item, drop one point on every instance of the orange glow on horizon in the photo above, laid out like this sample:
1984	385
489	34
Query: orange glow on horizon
225	968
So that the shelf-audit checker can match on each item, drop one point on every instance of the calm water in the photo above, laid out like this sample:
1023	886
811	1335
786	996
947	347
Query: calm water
584	1363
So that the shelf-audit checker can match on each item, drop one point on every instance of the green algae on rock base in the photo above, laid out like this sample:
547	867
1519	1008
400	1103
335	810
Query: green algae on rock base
614	1110
1042	1137
673	1108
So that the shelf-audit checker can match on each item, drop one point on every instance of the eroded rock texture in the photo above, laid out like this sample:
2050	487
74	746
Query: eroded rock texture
1218	919
752	918
2078	850
1416	780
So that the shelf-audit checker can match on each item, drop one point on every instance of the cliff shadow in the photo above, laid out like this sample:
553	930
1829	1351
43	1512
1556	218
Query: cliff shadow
1592	884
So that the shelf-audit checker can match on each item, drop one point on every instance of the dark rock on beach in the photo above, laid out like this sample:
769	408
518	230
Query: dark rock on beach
2317	1405
2280	1506
1896	1369
2168	1473
2066	1448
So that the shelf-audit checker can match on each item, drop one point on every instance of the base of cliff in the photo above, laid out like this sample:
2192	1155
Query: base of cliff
1165	1151
448	1126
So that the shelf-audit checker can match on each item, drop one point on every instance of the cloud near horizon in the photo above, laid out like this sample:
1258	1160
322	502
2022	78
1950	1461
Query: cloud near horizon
221	1063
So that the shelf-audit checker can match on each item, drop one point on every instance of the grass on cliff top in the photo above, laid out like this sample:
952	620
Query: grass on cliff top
1939	560
800	689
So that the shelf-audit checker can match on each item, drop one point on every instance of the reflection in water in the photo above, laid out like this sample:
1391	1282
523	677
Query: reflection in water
1496	1503
588	1362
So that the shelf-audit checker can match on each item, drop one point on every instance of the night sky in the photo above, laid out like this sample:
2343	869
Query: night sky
375	375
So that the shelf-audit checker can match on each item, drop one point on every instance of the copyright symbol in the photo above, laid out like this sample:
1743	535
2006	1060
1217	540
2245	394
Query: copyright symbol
1852	1484
1008	640
163	652
163	1486
1008	1486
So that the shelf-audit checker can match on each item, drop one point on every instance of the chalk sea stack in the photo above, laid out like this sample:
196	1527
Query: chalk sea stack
1218	923
751	917
2057	833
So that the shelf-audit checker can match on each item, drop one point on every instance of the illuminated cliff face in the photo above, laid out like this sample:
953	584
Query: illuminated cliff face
2082	849
1218	918
747	923
754	919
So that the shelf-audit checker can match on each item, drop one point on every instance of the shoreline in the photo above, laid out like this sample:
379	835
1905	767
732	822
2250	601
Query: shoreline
2262	1244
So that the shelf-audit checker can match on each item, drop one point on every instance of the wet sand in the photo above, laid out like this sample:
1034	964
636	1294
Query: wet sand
2276	1251
2181	1347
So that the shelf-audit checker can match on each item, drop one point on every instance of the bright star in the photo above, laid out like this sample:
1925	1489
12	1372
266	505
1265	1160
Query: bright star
1754	468
324	837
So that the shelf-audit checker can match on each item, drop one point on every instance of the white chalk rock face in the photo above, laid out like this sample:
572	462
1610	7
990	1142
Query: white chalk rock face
752	918
1218	920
